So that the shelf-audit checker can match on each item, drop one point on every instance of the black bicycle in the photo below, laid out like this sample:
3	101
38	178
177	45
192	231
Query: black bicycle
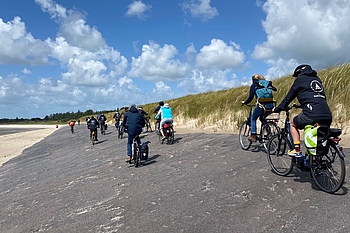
136	151
327	169
267	130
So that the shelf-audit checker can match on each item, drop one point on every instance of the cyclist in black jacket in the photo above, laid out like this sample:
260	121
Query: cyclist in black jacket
309	90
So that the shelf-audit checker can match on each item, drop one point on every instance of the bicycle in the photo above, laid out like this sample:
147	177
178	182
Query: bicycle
122	130
267	130
93	138
168	131
148	125
136	151
326	169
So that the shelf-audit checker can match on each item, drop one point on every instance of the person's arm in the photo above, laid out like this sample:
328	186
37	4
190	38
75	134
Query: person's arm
293	92
271	87
251	95
156	110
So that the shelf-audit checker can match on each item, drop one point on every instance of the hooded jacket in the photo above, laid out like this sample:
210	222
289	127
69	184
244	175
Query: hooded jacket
134	121
308	89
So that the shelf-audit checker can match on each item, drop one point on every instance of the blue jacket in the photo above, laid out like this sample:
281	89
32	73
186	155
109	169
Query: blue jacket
134	121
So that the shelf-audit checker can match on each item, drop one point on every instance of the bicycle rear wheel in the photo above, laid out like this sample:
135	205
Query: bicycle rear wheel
328	171
277	155
170	137
244	133
267	131
136	156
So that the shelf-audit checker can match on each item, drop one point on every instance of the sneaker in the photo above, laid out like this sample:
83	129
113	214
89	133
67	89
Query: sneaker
128	160
294	153
252	138
163	138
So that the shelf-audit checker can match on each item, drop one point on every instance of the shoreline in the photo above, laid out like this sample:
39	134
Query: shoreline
13	144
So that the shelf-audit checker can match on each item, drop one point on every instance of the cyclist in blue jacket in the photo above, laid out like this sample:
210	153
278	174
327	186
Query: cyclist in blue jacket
166	116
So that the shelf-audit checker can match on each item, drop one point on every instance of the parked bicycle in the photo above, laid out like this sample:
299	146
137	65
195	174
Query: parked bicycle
267	130
168	131
327	169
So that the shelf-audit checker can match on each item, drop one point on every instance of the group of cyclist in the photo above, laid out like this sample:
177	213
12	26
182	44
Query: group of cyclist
308	89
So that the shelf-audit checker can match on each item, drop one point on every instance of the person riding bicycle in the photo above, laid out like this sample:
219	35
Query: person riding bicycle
71	124
134	121
308	89
156	110
123	127
93	124
117	117
166	117
102	120
263	105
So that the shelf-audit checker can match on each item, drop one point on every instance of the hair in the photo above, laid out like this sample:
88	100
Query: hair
258	77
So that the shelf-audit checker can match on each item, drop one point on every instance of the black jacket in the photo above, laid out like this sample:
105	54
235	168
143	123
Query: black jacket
134	120
93	123
309	90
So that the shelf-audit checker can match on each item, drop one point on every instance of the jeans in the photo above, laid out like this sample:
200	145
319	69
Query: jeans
259	113
129	145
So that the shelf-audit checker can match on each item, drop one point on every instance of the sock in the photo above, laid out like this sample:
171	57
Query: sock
297	146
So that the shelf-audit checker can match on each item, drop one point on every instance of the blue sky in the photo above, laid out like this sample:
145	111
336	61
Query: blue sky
70	55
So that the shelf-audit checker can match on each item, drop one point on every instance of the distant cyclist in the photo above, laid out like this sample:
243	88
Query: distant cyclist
71	124
167	117
117	117
156	110
102	120
135	121
143	112
93	124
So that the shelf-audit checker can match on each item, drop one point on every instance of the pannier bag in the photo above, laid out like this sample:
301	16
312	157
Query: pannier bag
144	150
315	139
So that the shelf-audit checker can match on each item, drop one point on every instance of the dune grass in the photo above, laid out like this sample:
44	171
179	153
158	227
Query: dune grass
222	110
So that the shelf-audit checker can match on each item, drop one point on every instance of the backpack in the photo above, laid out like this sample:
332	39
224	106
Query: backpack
263	93
315	139
117	115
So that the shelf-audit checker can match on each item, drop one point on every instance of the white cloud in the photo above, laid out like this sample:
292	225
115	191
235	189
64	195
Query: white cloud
221	56
138	8
200	9
162	91
157	63
306	31
19	47
26	71
215	80
54	9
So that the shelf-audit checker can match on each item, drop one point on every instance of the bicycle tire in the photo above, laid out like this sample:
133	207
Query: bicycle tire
170	137
268	129
136	156
328	171
277	155
244	133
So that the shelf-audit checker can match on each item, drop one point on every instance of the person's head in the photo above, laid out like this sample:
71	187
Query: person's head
166	105
140	108
161	103
92	117
258	77
301	69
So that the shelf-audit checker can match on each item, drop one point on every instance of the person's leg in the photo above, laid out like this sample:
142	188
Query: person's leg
95	134
255	115
298	122
129	147
161	125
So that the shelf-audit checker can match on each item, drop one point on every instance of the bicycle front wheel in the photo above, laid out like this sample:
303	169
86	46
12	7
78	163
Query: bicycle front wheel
328	171
277	155
244	133
267	131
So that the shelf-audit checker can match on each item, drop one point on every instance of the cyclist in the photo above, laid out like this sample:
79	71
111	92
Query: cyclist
93	124
102	120
71	124
156	110
134	121
143	112
308	89
167	116
122	126
117	117
263	105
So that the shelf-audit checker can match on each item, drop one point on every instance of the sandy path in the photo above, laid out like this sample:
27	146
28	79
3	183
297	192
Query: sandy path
12	145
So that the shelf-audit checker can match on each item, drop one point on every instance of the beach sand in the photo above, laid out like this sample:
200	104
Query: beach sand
12	145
